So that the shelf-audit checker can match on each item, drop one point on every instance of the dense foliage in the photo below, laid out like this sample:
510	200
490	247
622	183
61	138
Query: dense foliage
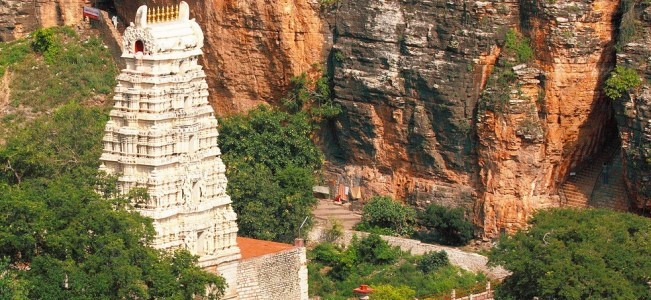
271	162
437	223
621	80
64	232
446	225
384	216
577	254
336	271
313	97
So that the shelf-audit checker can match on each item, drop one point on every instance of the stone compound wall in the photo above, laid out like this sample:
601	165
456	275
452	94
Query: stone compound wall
466	260
281	276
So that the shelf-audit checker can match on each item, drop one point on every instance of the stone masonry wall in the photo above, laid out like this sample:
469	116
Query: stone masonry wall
281	276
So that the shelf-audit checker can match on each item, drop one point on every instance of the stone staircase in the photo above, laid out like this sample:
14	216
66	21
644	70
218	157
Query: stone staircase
587	189
613	194
327	210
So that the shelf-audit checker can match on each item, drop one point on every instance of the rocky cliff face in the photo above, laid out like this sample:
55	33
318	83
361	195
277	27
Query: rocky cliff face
253	47
19	17
555	115
437	108
633	110
426	117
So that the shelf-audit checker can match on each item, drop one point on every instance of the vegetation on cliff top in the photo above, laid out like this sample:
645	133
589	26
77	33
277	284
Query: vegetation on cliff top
577	254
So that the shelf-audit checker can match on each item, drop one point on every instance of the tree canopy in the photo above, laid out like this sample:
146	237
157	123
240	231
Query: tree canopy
66	234
577	254
270	161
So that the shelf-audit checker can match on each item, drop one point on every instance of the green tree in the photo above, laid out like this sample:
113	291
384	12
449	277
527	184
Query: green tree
577	254
621	80
381	212
446	225
67	142
271	162
79	243
11	287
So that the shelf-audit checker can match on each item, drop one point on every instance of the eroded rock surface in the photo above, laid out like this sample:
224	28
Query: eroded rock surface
20	17
253	47
633	109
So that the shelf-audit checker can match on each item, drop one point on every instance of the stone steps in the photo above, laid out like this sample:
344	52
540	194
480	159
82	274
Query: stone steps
586	188
327	210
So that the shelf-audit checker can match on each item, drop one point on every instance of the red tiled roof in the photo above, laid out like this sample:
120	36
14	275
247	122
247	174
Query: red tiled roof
252	248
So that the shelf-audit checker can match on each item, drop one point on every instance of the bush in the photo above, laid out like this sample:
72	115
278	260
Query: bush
335	231
621	79
43	40
447	225
432	261
326	253
519	45
271	163
383	212
373	249
390	292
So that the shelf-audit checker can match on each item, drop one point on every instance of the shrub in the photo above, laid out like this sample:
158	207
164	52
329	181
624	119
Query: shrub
43	40
373	249
390	292
326	253
621	80
335	231
519	45
447	225
383	212
432	261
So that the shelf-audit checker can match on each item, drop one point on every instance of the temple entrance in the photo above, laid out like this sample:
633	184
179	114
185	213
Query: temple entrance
140	46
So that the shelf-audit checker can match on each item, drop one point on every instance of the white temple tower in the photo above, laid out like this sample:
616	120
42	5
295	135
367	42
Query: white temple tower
162	136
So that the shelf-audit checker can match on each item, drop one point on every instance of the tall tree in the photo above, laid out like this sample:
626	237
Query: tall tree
63	239
577	254
271	162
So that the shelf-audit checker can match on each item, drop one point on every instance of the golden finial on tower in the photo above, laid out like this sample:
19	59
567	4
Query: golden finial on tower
168	13
176	12
148	15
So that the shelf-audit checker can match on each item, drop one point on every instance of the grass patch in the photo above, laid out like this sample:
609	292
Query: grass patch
56	68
